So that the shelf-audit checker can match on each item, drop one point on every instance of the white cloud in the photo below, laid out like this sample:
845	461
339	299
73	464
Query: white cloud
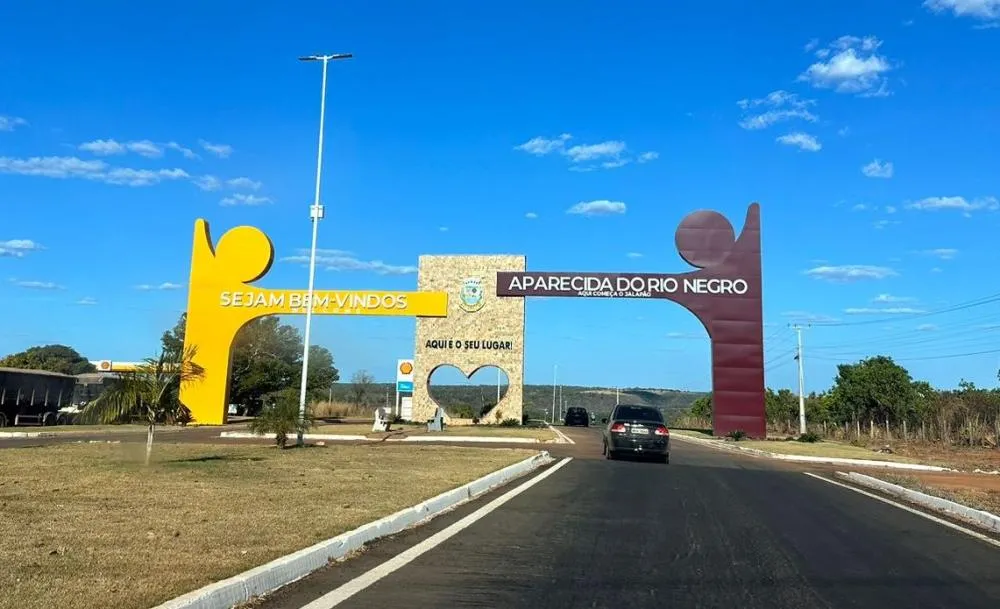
944	253
37	285
99	171
246	183
889	298
927	327
443	229
223	151
208	182
187	152
339	260
782	106
844	131
850	272
880	224
597	208
531	215
146	287
806	317
540	146
883	311
957	203
144	148
610	154
590	152
86	300
983	10
936	269
878	169
890	209
634	255
803	140
243	199
18	248
850	65
859	207
9	123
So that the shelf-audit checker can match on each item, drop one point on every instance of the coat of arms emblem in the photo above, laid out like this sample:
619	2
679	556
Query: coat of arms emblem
471	297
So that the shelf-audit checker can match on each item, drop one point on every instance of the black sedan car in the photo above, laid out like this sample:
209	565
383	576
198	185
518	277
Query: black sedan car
576	415
636	430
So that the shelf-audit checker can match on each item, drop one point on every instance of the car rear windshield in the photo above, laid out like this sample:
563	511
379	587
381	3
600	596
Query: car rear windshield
575	410
638	413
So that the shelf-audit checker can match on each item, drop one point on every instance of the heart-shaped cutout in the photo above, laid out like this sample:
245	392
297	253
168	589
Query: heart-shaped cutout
468	399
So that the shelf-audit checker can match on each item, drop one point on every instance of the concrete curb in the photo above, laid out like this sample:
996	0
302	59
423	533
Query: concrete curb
287	569
308	436
26	434
722	445
359	438
986	520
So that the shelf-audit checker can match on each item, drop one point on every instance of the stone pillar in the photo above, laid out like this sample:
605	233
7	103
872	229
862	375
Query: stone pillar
475	313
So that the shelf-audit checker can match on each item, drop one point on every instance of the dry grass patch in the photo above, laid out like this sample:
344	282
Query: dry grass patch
694	434
978	491
822	449
87	526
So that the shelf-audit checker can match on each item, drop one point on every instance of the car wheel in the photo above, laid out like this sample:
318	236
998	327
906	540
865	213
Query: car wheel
665	458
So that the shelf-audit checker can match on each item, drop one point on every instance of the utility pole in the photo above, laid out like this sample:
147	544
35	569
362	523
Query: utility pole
616	396
555	373
316	213
802	381
562	404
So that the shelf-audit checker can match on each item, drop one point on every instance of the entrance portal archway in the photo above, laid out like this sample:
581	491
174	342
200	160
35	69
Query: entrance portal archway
485	321
725	294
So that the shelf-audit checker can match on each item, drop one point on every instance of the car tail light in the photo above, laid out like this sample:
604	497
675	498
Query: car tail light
662	431
618	428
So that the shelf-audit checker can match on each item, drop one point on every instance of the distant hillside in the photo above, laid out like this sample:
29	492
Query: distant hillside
469	401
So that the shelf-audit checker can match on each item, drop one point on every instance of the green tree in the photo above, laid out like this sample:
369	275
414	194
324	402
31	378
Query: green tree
322	373
280	416
172	340
702	407
151	393
53	358
781	406
876	388
267	357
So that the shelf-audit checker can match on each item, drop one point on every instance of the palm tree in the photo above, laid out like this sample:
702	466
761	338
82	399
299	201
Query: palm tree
280	416
151	393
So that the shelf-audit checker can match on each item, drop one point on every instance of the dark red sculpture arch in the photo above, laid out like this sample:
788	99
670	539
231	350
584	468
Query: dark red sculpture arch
724	294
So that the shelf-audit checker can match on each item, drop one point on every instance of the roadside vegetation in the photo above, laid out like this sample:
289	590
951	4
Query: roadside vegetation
89	526
875	405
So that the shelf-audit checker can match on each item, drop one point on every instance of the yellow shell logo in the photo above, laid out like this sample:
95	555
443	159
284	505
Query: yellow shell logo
105	365
406	368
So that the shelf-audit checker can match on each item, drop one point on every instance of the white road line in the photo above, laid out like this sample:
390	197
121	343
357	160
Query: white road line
941	521
562	435
346	591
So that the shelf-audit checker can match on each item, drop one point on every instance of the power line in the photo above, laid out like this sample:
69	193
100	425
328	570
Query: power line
959	307
912	359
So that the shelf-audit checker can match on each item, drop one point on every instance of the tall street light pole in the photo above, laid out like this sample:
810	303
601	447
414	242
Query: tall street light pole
316	214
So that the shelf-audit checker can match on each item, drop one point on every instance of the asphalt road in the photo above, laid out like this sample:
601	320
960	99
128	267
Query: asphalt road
711	529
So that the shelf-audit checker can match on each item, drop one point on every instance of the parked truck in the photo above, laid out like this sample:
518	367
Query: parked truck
35	397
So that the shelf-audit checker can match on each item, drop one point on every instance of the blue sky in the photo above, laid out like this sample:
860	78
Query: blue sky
868	135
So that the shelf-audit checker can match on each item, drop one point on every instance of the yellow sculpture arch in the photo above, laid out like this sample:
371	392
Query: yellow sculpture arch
221	300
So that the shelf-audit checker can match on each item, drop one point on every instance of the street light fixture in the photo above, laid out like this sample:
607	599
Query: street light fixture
316	213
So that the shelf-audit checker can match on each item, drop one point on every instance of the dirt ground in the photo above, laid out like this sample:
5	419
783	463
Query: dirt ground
89	526
979	491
